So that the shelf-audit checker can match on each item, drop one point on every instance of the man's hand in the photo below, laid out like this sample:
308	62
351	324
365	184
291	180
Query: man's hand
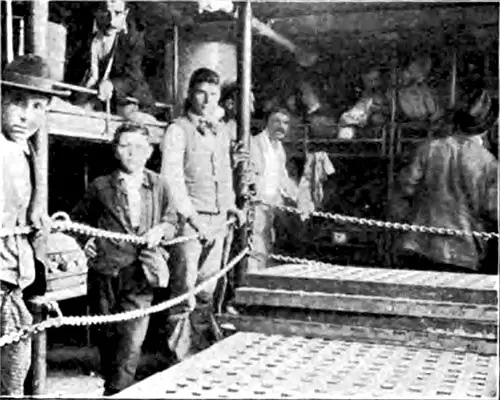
239	154
154	236
40	220
206	235
239	215
90	249
105	90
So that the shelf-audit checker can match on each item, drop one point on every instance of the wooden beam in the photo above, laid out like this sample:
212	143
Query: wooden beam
367	304
403	337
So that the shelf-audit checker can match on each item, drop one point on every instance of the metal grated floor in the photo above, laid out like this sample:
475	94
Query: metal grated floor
255	365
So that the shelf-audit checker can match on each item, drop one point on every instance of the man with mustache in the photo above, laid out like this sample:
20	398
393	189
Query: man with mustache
27	89
272	183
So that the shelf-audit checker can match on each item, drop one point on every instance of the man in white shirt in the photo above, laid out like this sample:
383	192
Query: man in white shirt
272	183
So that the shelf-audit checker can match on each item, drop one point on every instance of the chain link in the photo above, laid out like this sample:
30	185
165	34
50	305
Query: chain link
298	260
60	320
389	225
62	223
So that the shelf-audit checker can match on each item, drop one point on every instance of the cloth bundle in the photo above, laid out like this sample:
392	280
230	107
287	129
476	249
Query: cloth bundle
317	169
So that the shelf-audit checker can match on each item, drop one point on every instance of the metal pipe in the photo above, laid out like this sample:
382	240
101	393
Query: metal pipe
304	58
453	83
244	115
175	69
9	32
21	44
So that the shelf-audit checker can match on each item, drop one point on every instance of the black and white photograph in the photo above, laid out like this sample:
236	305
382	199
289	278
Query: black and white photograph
218	199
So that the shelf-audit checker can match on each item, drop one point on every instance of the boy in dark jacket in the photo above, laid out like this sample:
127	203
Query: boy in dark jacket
122	275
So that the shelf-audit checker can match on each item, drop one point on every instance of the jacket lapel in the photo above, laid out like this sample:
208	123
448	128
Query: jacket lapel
119	201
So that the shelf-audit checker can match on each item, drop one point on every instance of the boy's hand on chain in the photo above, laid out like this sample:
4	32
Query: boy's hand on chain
90	249
154	236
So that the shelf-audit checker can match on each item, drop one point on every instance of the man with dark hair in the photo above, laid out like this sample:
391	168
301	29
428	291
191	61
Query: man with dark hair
122	275
451	183
26	91
272	183
197	165
116	55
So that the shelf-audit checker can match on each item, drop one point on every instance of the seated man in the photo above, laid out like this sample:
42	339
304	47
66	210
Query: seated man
116	55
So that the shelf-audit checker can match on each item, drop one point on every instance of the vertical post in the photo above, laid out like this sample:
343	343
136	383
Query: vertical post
175	69
244	115
453	82
394	140
38	22
37	43
9	30
20	48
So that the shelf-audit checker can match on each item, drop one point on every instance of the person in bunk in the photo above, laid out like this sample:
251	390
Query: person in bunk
116	54
450	183
196	162
272	183
122	275
318	116
371	110
417	101
26	91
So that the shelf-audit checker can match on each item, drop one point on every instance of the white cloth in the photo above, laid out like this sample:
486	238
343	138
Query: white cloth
271	186
133	185
316	170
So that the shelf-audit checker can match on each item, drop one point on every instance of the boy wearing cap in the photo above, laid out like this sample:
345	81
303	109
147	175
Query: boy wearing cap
451	183
122	275
26	91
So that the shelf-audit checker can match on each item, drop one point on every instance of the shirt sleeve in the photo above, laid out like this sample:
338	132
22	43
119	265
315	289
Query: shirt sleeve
491	191
172	170
169	217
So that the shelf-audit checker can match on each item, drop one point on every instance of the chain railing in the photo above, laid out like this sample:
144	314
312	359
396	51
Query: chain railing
340	218
86	320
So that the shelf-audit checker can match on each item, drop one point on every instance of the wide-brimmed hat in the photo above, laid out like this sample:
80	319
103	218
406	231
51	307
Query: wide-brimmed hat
31	72
479	116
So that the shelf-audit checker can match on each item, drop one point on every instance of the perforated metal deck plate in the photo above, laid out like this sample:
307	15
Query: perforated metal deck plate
421	285
255	365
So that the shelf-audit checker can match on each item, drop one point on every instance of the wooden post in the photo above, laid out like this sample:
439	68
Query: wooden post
394	140
9	30
38	21
244	114
37	43
175	70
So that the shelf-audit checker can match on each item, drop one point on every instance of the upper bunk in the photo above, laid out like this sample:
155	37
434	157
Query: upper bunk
345	37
